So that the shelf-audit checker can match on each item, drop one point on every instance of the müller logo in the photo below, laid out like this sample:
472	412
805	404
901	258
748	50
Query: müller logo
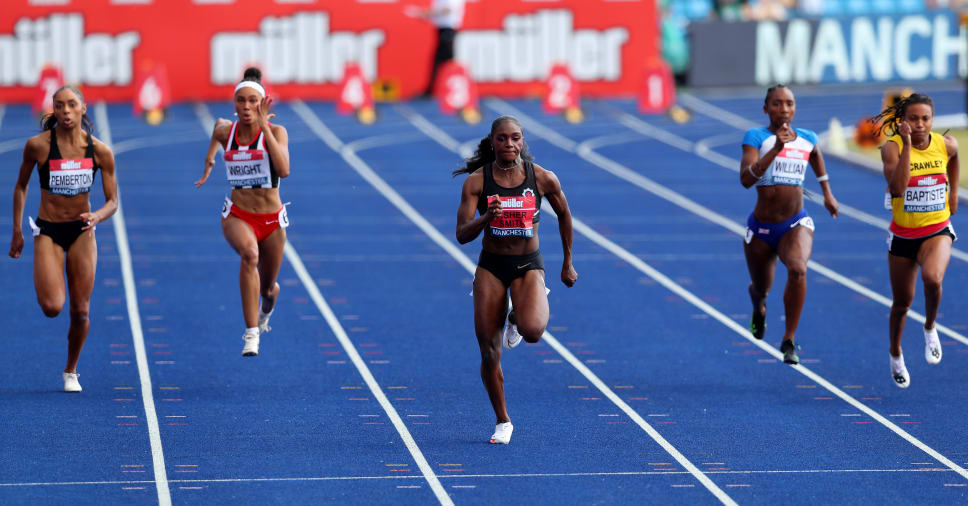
296	49
928	181
242	155
513	203
95	58
70	164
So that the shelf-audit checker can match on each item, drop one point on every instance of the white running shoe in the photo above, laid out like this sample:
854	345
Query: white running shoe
70	382
502	433
899	372
511	336
932	346
264	321
251	347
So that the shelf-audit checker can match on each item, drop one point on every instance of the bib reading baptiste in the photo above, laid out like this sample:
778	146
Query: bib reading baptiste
517	216
71	177
923	208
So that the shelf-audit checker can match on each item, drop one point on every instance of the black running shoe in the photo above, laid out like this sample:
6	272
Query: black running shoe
789	352
758	325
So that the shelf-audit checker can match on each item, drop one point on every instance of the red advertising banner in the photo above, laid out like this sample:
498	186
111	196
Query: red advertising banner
507	46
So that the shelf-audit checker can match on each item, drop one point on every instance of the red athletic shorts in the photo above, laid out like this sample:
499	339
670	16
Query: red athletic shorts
263	224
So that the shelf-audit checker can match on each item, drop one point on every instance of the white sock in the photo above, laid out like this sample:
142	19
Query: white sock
897	363
252	330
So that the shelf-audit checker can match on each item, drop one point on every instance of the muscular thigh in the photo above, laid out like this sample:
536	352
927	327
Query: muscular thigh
490	303
934	256
81	267
48	268
529	297
795	246
238	234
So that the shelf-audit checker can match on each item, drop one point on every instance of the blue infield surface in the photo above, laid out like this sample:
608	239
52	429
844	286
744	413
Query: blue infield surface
647	388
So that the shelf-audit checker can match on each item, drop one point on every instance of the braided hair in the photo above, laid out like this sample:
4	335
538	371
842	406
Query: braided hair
890	118
49	120
771	89
484	154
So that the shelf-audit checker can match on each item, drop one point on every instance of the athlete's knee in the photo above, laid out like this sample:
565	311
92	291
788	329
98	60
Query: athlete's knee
250	257
490	355
901	306
51	308
531	332
932	281
797	270
79	315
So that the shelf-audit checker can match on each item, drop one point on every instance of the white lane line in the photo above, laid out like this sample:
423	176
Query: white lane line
441	137
208	123
501	475
732	164
739	122
155	141
586	151
137	335
674	287
13	144
371	382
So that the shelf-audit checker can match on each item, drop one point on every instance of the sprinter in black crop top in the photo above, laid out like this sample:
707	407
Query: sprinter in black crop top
67	159
504	190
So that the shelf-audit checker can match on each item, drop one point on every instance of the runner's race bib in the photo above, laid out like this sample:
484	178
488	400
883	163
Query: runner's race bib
71	177
789	167
248	168
926	194
517	216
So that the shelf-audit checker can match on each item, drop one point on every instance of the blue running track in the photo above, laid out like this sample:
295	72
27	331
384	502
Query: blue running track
646	389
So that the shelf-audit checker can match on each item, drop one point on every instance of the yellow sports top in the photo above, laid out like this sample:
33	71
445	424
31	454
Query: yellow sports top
923	208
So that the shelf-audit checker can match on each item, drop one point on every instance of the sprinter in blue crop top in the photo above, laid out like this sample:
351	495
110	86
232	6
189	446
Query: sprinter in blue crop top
775	160
68	158
504	188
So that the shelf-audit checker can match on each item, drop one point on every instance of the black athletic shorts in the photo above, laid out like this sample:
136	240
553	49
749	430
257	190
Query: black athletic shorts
63	233
507	268
908	248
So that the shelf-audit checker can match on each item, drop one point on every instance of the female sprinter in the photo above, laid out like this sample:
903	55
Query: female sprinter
67	159
775	159
253	218
505	187
921	168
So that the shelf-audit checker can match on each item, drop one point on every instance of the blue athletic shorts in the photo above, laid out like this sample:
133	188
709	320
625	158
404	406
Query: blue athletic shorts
771	233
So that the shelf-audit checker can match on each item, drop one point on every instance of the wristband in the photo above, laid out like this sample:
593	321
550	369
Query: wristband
823	178
749	168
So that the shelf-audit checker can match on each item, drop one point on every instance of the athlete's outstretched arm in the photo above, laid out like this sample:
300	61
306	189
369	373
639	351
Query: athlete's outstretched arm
20	197
954	169
551	189
469	228
105	159
820	170
220	135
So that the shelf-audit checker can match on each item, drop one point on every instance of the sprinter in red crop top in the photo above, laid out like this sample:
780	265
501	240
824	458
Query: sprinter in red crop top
68	158
504	188
254	220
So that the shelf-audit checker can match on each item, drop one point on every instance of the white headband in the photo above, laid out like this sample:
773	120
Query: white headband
251	84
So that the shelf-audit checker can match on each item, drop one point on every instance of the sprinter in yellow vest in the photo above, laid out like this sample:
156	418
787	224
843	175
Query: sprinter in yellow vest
921	168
